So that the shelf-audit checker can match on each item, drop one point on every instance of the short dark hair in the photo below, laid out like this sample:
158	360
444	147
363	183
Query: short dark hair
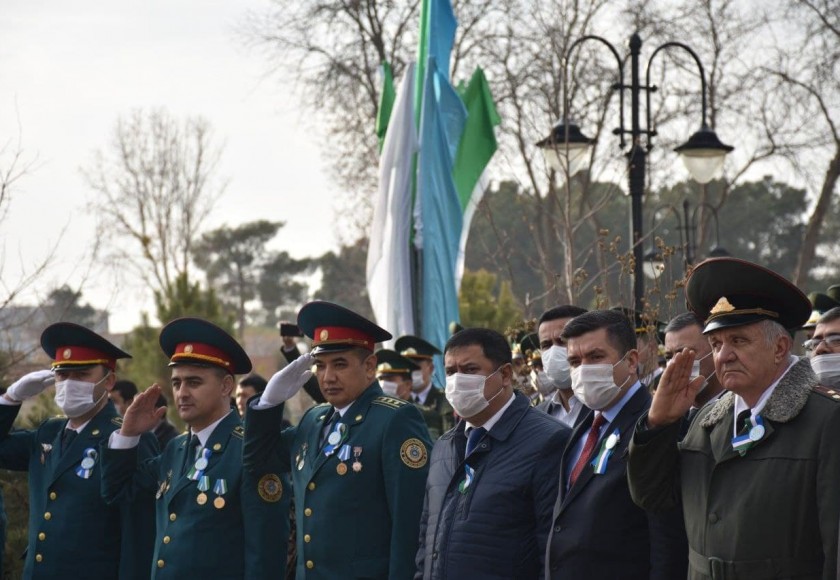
681	321
620	331
829	315
254	381
562	311
493	345
126	389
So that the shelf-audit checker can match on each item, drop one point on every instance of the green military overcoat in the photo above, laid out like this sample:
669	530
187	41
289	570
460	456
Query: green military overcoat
242	537
72	532
771	513
357	518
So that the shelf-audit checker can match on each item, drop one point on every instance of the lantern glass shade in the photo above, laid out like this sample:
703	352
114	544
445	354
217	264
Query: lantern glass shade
653	265
703	155
566	149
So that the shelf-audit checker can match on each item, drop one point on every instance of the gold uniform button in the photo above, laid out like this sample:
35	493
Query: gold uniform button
172	517
311	485
48	516
166	539
307	538
310	564
42	536
161	563
39	558
53	495
307	512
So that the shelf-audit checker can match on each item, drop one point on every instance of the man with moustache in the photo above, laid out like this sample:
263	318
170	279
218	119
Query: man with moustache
214	519
358	463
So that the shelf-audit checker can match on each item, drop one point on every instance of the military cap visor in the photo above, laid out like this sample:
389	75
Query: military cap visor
415	347
334	328
389	362
72	346
728	292
195	341
820	304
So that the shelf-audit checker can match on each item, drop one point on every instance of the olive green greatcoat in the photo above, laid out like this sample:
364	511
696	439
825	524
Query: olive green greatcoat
771	513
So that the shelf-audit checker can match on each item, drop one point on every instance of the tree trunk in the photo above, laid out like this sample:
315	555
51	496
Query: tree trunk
815	222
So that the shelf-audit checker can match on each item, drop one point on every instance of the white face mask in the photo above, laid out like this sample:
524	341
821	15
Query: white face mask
466	393
827	369
389	388
75	398
417	379
544	383
556	364
594	384
695	372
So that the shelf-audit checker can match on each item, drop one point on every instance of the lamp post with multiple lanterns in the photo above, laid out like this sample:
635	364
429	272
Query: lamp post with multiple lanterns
567	149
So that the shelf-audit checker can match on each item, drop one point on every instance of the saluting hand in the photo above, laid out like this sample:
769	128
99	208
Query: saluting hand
283	385
30	385
142	416
675	393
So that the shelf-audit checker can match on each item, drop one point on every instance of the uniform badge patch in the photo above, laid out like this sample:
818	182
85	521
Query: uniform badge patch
413	453
270	488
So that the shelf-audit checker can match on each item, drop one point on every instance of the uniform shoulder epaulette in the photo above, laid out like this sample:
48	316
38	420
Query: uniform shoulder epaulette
239	431
118	421
833	394
387	401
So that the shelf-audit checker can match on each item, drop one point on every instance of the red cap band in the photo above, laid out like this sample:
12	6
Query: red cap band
81	356
199	352
342	335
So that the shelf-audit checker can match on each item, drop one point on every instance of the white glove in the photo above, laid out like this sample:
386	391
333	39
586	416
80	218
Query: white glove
287	381
30	385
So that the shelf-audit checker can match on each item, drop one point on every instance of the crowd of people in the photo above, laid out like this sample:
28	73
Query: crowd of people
570	454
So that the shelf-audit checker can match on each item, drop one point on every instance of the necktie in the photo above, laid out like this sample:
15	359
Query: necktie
195	443
475	435
328	428
67	438
742	421
588	447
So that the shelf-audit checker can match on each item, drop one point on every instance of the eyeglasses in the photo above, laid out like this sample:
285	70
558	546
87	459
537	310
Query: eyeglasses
831	341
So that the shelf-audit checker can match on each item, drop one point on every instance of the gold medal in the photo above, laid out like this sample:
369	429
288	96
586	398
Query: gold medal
341	468
219	502
357	466
201	499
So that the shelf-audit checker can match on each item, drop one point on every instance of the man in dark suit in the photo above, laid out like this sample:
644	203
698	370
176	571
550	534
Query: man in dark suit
214	519
358	463
597	530
72	532
492	483
561	403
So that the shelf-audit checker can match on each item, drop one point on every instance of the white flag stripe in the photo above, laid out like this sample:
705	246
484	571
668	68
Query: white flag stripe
388	263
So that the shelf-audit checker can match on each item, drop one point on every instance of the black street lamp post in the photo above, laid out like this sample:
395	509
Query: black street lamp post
688	227
703	153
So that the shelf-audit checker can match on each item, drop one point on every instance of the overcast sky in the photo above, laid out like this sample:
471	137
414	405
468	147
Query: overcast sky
68	70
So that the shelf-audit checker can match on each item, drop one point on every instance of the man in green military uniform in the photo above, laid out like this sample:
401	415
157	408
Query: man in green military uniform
757	471
358	463
214	519
436	410
72	532
394	373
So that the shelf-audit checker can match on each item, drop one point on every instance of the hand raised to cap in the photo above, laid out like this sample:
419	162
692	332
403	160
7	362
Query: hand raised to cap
142	416
30	385
286	382
675	394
